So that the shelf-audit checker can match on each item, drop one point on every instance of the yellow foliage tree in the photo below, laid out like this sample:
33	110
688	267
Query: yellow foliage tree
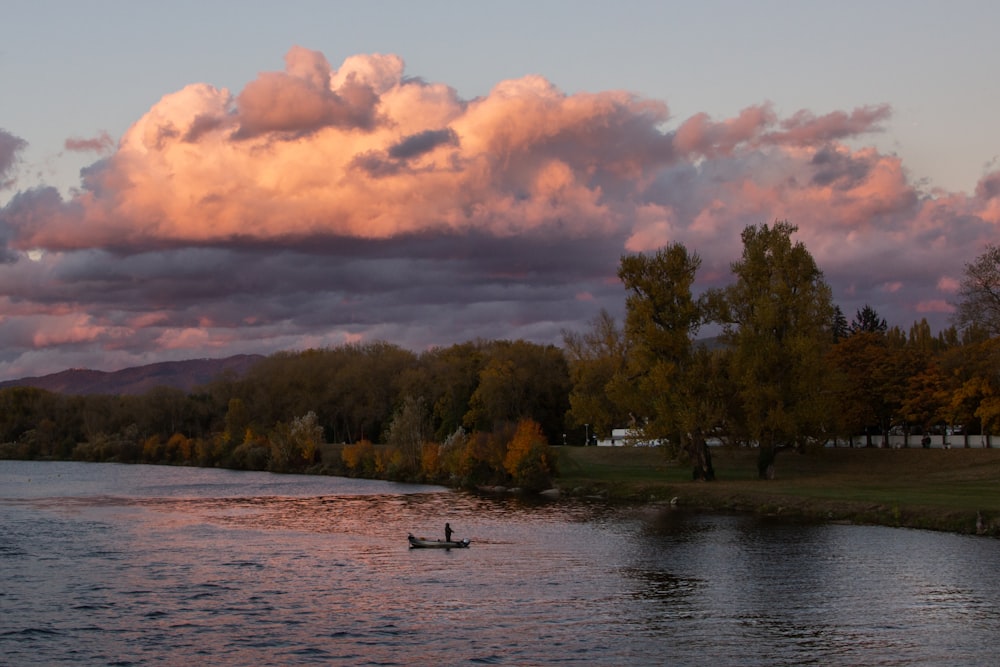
152	449
180	444
359	457
430	459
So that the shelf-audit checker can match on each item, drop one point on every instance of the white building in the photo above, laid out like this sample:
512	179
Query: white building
625	436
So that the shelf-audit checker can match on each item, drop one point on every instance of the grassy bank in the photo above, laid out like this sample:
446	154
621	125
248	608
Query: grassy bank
956	490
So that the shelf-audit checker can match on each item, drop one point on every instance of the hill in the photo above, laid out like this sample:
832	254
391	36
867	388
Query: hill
183	375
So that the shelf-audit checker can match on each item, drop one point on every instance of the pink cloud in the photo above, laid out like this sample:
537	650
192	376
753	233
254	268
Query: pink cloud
188	339
806	129
311	204
102	143
948	284
699	135
73	328
934	306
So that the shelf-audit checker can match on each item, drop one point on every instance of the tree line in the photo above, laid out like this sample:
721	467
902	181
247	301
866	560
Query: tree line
480	412
788	370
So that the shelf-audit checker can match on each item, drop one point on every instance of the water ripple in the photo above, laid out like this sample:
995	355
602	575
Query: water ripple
212	570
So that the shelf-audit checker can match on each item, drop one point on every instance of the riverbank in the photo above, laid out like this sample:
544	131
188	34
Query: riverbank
955	490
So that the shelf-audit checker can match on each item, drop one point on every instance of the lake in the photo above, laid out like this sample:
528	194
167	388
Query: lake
106	564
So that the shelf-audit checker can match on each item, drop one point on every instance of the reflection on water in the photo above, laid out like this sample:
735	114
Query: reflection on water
132	565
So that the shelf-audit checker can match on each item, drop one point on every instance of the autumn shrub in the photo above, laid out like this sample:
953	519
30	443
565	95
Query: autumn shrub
430	460
388	459
182	446
152	449
359	458
528	460
481	460
252	454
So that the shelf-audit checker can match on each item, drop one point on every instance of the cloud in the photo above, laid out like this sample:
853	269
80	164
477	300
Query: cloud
422	142
297	102
10	146
100	144
320	205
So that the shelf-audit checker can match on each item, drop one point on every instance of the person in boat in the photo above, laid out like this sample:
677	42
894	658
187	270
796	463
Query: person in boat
447	532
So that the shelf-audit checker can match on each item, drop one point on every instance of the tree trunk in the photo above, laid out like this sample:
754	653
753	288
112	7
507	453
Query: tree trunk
701	456
766	458
765	462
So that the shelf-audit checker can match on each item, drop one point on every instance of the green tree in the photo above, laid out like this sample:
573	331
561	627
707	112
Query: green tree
662	318
840	327
448	377
867	320
521	380
596	357
777	318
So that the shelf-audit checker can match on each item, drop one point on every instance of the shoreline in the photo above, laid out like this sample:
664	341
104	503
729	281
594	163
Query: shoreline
957	491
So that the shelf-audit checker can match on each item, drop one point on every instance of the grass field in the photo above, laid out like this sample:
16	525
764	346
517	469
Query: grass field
956	490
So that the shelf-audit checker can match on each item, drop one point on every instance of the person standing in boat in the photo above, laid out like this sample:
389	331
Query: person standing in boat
447	532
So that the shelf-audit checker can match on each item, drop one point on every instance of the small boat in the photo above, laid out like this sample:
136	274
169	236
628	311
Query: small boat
424	543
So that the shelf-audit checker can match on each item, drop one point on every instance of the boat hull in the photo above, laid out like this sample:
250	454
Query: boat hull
422	543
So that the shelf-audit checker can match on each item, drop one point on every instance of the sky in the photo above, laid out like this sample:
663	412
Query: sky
199	179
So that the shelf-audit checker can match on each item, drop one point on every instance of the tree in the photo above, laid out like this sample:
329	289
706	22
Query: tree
295	443
447	377
408	431
975	370
988	411
595	358
868	321
528	459
521	380
979	293
659	382
237	419
926	393
777	317
875	374
840	329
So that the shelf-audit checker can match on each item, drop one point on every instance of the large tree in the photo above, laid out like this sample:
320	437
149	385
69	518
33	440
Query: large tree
596	357
520	380
979	294
875	373
777	318
662	317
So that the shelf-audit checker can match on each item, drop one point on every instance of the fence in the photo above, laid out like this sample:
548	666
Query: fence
957	441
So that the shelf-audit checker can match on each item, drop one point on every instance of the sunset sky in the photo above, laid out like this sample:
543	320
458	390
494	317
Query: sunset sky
198	179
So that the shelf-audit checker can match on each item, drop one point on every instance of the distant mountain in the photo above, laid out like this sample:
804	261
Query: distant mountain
183	375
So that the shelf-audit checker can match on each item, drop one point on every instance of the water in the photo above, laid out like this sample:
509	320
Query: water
107	564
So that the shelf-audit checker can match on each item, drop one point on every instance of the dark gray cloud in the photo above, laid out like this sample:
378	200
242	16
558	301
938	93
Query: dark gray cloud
840	170
10	146
422	142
